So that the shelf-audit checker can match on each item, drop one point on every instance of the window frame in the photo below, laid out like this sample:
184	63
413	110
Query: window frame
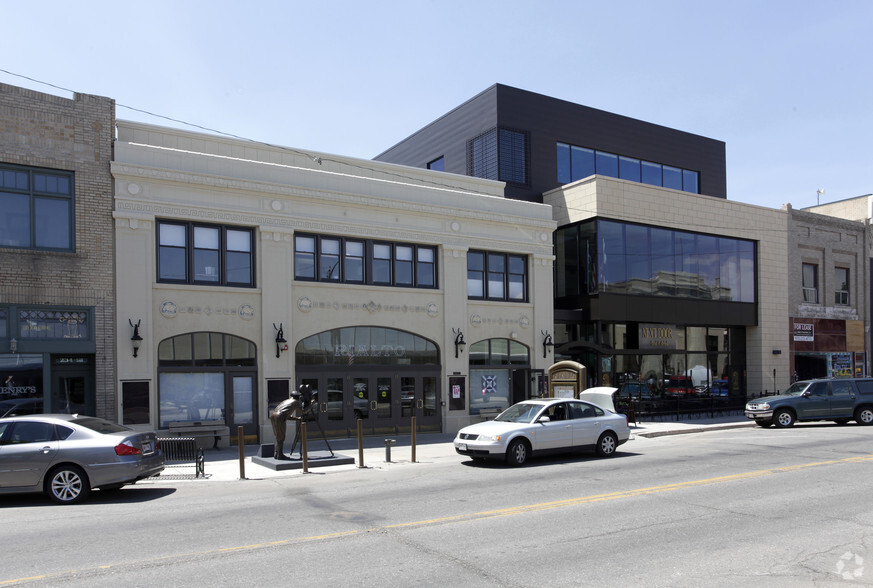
842	289
190	254
369	261
35	196
485	280
809	291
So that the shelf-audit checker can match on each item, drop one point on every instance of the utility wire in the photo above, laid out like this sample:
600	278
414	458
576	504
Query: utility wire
319	159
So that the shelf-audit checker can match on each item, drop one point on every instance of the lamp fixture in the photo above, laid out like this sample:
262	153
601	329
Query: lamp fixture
13	345
459	341
136	340
281	343
547	342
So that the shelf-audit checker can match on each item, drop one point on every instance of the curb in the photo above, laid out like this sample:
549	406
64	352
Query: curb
694	430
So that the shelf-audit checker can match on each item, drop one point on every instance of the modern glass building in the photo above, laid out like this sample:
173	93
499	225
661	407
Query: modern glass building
658	278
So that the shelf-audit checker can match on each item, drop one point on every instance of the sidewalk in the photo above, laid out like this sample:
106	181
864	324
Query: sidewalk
224	464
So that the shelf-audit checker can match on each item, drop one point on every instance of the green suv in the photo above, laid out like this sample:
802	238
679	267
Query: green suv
834	399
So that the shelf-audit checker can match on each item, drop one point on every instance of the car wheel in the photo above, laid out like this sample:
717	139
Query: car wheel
764	424
607	444
864	415
783	418
517	452
841	421
67	484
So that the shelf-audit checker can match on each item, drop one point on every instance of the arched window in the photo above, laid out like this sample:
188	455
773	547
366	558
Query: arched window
366	346
201	374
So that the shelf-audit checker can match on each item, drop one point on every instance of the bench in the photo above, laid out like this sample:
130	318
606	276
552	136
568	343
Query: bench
201	430
183	449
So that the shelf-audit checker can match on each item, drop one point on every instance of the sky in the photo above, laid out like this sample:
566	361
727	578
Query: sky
787	85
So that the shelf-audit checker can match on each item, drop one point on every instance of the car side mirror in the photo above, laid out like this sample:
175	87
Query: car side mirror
544	419
805	393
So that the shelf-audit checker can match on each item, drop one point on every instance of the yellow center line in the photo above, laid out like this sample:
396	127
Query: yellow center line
467	517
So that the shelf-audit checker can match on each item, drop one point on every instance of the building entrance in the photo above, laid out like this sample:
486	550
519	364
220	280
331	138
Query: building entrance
385	402
380	376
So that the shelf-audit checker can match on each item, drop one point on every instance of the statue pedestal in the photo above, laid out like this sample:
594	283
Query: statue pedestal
315	459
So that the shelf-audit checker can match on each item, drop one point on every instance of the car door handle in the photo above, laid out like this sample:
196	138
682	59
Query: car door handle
46	449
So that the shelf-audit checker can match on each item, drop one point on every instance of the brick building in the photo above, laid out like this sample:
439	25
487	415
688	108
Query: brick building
57	289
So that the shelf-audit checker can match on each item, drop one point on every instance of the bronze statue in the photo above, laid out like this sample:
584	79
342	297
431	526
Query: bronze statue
295	408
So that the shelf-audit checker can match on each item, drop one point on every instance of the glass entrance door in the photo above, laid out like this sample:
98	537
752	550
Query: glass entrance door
419	397
376	400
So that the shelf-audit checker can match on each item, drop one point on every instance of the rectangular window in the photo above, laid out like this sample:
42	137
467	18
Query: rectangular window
438	164
651	173
354	261
36	208
496	276
425	268
563	159
329	260
381	263
475	274
304	257
54	324
607	164
194	253
672	177
810	283
582	160
841	294
629	168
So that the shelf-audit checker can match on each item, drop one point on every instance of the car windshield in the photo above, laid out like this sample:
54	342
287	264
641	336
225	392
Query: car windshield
796	388
99	425
519	413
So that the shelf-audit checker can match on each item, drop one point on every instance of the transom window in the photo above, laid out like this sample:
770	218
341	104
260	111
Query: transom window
36	208
575	163
496	276
355	261
810	283
194	253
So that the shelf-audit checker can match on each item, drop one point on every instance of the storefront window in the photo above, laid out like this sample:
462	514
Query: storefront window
21	389
489	390
191	397
491	380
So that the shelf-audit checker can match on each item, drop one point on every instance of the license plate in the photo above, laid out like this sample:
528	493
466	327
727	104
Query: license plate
146	446
462	446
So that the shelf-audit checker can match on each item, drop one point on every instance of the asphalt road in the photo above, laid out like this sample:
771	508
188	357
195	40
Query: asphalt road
760	506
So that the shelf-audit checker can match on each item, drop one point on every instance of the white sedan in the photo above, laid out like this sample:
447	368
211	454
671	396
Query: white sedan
540	426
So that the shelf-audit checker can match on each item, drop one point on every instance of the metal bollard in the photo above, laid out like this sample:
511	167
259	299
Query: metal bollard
388	444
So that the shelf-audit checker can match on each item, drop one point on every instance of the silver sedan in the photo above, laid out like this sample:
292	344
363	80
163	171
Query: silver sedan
66	456
549	425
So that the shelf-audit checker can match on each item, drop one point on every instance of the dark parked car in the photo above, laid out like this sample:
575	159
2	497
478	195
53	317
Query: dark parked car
66	456
834	399
20	406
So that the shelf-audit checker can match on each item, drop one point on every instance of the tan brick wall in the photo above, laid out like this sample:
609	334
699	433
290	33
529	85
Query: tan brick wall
43	130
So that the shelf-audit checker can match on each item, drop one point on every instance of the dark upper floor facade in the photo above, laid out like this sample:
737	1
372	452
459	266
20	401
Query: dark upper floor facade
536	143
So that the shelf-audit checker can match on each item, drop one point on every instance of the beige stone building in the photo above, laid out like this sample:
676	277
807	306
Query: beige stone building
393	292
829	261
